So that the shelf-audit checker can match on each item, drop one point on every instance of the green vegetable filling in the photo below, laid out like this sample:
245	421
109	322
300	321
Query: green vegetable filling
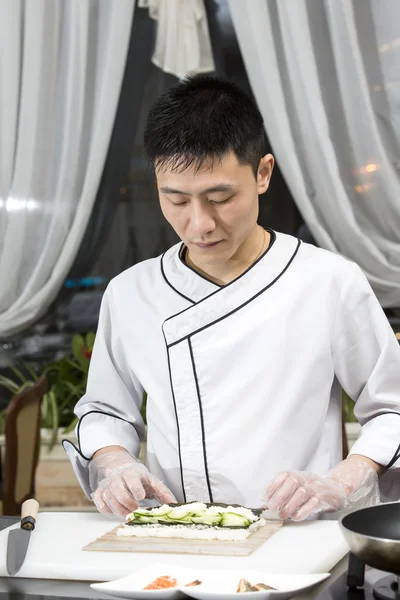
213	515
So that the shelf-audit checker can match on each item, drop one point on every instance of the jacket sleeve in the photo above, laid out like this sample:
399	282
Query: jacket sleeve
109	412
366	359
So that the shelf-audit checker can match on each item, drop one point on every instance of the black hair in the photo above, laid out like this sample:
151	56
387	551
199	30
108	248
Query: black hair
201	118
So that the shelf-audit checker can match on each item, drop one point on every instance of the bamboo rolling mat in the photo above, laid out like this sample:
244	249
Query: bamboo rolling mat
111	542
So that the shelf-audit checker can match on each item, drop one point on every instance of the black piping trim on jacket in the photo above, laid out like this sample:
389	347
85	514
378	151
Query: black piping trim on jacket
396	455
182	257
176	417
170	284
217	291
395	458
272	241
183	252
219	287
99	412
237	308
75	447
201	420
387	412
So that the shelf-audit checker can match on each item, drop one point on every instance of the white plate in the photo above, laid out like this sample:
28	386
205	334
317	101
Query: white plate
132	585
220	583
223	584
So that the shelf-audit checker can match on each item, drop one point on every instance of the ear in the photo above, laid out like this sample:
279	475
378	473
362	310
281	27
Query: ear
264	173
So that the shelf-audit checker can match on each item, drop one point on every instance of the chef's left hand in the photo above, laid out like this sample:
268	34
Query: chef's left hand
297	495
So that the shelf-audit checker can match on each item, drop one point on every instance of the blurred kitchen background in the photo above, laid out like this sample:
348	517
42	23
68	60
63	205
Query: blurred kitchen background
78	202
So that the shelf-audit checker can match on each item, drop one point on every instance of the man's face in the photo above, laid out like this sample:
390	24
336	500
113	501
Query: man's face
213	211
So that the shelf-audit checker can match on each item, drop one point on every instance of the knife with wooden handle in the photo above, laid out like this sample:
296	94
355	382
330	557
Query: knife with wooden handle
18	539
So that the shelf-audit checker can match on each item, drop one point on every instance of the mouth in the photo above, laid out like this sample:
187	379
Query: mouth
208	245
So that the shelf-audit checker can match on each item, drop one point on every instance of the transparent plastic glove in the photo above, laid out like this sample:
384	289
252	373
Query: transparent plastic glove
120	482
298	495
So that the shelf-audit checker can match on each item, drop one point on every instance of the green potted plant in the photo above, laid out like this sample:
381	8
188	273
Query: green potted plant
67	383
352	426
348	408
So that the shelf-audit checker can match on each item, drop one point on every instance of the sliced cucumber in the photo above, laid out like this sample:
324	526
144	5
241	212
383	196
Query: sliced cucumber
230	519
211	521
164	521
141	512
207	518
165	509
197	513
187	519
215	510
143	519
181	512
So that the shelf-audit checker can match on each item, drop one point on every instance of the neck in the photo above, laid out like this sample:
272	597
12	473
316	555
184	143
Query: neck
244	257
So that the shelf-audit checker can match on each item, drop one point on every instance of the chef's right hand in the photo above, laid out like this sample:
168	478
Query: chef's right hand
119	482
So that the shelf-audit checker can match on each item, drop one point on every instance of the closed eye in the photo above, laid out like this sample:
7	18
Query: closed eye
178	203
220	201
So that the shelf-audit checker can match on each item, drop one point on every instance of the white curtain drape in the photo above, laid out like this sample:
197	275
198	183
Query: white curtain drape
61	68
326	76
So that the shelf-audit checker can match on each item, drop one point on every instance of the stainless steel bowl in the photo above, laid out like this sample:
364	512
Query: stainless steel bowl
373	535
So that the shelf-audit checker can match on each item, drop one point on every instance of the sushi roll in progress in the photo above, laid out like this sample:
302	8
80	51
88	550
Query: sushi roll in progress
193	520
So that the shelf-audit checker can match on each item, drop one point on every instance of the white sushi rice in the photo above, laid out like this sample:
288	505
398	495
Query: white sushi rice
190	532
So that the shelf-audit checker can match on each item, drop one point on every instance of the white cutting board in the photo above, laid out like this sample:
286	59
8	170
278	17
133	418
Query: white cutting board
55	550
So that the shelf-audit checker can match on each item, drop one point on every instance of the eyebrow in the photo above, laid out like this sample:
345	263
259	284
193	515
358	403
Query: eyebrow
221	187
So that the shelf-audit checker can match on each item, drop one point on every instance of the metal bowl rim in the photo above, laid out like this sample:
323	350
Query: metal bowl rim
369	537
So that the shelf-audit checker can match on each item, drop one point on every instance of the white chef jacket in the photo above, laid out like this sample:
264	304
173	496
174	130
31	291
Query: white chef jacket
243	380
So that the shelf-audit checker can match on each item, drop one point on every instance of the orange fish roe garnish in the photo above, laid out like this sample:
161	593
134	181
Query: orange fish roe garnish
161	583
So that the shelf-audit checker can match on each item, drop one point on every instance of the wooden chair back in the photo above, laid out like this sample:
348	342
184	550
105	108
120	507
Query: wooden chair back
22	446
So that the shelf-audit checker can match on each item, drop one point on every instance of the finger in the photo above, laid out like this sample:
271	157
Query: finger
148	488
163	494
300	496
156	489
275	484
283	494
134	486
124	496
115	507
310	508
101	506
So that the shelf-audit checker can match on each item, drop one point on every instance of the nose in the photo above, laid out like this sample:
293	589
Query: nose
202	220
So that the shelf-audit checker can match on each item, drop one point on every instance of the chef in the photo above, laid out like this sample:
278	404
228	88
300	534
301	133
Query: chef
242	337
